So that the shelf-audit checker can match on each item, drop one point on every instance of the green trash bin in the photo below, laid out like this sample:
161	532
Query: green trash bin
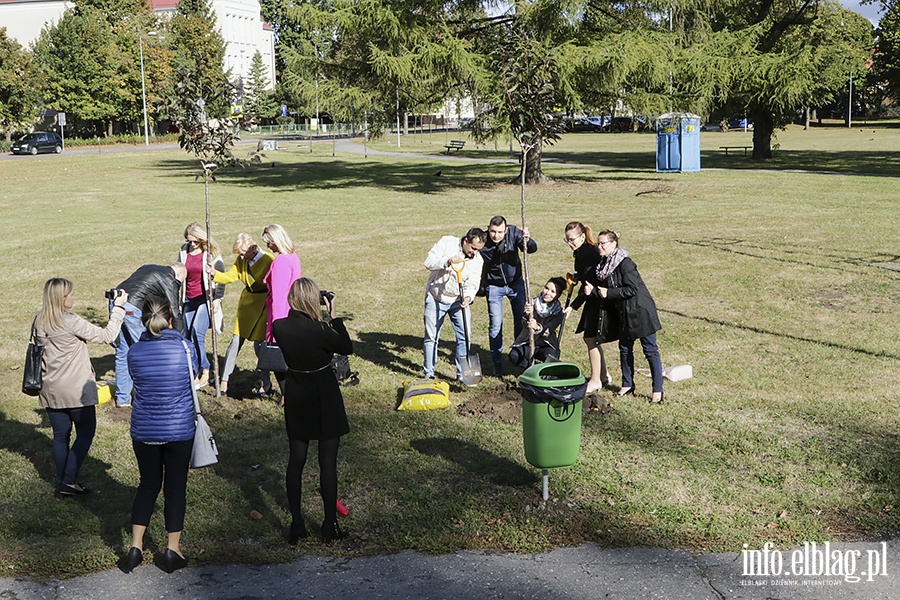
551	413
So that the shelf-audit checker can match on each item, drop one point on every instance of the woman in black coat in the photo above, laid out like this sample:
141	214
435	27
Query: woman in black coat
584	251
621	284
313	404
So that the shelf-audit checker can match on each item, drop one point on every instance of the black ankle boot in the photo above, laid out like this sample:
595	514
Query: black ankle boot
298	530
332	531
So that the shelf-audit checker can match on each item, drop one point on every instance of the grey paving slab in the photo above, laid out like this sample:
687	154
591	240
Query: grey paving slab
587	572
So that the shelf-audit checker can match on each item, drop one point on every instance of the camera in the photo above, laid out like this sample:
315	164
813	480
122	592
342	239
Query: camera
323	296
113	293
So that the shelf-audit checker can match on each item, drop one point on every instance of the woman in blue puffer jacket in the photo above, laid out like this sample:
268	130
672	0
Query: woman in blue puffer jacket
162	429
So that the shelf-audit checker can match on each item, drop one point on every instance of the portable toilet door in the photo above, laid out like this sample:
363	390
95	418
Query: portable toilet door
677	143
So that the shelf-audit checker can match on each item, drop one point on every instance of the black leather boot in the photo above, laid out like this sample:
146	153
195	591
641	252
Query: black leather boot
298	530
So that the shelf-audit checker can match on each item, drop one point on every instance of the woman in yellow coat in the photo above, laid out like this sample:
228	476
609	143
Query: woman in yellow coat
250	267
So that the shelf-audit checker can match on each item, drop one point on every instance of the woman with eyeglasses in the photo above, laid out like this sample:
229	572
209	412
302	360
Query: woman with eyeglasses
285	270
622	286
580	239
69	392
196	253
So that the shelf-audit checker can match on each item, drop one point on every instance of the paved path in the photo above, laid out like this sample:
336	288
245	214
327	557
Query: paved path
587	572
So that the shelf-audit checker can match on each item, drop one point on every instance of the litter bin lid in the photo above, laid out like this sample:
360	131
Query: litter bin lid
553	375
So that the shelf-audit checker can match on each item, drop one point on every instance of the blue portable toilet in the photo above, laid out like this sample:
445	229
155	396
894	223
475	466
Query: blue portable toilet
677	143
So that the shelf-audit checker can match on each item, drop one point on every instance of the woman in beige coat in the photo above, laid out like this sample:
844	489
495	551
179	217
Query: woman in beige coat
69	390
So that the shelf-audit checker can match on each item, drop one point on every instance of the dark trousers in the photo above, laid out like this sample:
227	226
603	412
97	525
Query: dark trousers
162	466
68	460
651	351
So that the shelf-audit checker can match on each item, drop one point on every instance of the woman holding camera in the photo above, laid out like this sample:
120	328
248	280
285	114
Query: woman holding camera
162	430
69	391
313	404
196	253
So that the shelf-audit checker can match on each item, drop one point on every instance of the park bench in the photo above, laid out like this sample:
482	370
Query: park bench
727	148
455	145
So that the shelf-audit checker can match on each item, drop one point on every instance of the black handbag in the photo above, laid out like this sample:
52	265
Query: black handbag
32	379
270	358
340	364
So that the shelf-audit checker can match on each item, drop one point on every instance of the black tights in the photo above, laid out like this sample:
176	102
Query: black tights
328	450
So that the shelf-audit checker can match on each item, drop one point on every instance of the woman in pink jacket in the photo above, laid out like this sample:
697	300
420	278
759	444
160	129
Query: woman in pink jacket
284	271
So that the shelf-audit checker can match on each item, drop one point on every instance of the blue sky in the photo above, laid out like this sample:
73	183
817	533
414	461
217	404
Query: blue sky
869	11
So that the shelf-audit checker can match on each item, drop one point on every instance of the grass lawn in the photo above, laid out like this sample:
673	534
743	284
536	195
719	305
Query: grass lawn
779	288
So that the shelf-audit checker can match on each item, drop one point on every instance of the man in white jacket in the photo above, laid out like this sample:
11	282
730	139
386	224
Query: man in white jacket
442	294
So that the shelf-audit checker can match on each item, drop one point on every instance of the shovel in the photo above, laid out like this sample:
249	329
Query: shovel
471	365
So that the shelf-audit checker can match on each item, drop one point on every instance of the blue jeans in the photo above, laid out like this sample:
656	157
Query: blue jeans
131	331
651	351
68	460
515	291
434	319
196	322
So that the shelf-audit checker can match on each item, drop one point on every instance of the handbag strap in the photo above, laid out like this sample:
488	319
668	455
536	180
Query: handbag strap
190	362
34	332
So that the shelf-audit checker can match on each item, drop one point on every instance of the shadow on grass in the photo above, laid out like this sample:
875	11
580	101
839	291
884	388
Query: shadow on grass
389	350
110	501
785	254
412	175
475	460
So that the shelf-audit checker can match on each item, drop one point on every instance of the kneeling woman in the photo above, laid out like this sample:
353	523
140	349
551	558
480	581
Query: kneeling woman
162	429
313	404
543	316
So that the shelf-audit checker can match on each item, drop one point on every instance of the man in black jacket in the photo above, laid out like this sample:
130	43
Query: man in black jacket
503	277
147	282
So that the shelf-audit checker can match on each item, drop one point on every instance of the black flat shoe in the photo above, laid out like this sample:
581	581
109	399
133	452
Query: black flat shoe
131	560
72	489
624	392
172	561
298	531
332	531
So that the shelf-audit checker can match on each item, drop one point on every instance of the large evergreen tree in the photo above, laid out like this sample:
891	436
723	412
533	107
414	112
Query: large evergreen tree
199	54
258	99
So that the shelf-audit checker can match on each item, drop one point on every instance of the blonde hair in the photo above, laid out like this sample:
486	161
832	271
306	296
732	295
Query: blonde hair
275	234
206	244
306	297
180	271
242	243
582	228
156	315
53	305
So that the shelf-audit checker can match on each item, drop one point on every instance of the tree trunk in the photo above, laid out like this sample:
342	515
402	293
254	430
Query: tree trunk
531	166
763	127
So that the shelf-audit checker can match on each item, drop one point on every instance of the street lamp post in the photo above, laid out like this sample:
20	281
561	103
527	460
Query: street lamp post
850	103
144	86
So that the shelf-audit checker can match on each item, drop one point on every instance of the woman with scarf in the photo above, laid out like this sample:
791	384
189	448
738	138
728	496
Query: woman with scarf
621	285
543	316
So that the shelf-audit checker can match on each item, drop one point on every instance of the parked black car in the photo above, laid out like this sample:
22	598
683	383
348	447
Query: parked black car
39	141
582	125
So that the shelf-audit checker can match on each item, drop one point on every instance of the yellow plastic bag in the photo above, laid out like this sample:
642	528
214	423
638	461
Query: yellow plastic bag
425	394
105	391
